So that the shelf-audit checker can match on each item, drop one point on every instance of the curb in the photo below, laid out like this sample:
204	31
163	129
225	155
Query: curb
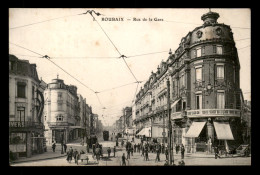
37	159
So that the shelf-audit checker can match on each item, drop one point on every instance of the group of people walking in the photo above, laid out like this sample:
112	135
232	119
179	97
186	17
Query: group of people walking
146	148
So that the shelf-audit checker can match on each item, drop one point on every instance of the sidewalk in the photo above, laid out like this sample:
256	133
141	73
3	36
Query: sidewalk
50	154
46	155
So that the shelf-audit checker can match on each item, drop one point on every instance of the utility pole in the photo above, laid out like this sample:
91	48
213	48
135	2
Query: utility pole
170	146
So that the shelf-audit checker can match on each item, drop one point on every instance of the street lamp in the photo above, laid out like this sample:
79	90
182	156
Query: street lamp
62	135
170	151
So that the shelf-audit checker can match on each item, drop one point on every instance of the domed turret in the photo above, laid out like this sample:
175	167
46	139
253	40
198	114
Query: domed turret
210	17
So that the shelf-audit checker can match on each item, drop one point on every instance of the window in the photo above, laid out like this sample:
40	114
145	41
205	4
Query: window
59	118
220	71
199	74
32	92
183	105
21	90
219	49
195	53
220	100
199	52
59	106
21	114
59	96
203	50
18	138
11	65
199	101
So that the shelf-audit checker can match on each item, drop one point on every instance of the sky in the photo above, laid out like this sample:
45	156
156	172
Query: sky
90	53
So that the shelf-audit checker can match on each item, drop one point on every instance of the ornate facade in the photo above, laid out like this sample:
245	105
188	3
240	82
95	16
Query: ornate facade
205	94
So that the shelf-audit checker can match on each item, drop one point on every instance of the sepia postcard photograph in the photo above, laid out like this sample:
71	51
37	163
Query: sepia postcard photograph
129	87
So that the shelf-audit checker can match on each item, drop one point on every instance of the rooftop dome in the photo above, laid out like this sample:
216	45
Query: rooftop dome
210	17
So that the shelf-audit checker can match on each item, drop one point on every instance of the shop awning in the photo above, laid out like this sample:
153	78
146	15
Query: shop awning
223	131
145	131
195	129
174	103
140	133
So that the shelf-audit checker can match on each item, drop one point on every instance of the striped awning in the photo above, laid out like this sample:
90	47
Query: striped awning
223	131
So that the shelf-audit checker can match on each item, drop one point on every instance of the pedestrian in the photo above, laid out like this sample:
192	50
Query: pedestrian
116	142
80	155
123	160
157	155
142	151
65	147
166	163
94	150
114	151
70	154
76	156
53	146
182	151
132	150
216	150
108	152
163	148
87	148
181	163
134	147
166	153
98	152
178	148
146	154
128	153
101	150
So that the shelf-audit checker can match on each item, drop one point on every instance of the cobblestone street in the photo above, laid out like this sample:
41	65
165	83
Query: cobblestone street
199	159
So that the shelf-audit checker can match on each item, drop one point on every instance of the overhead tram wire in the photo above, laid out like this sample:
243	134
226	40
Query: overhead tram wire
84	57
116	87
41	22
48	58
121	56
145	54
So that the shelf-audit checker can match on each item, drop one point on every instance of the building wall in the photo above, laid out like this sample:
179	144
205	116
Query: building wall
61	102
180	69
31	122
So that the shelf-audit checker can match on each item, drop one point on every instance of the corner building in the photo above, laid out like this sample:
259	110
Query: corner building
205	92
26	104
61	112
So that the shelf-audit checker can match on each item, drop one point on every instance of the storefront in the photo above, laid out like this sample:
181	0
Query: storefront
159	135
203	135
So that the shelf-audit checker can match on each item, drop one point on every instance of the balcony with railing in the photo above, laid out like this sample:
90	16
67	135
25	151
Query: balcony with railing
58	123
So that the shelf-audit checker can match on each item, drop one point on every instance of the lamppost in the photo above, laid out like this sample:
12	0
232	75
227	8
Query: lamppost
170	151
62	135
150	134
